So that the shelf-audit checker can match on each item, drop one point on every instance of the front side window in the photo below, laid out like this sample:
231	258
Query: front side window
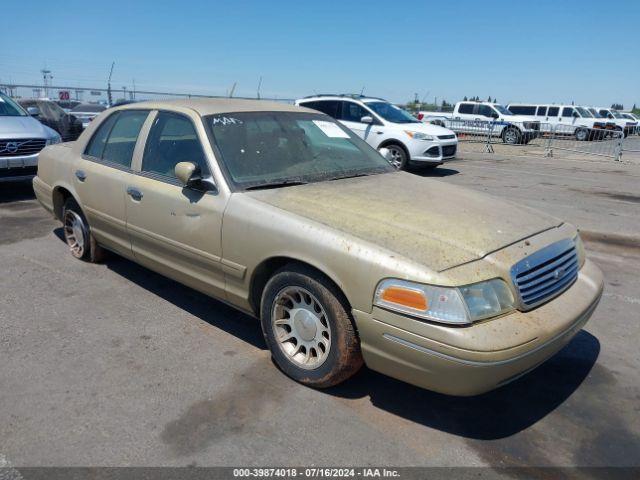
9	108
172	139
502	110
554	111
584	112
485	111
391	113
259	149
352	112
567	112
116	138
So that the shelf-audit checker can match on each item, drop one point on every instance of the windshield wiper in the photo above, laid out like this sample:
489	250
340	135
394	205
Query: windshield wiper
286	183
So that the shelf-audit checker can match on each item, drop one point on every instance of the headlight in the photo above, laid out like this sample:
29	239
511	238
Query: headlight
419	135
54	140
455	305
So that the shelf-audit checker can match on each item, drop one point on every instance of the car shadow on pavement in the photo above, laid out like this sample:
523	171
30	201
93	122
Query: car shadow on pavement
433	172
490	416
16	191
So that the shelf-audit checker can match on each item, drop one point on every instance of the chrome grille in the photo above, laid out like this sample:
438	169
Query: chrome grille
545	273
447	137
21	146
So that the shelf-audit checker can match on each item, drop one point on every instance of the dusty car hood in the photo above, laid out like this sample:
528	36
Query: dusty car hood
431	222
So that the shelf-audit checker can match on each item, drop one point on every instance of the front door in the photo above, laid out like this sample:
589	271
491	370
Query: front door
176	230
351	115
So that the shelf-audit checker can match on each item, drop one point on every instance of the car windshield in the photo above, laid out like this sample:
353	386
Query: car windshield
595	113
262	149
88	108
391	113
9	108
502	110
584	112
616	114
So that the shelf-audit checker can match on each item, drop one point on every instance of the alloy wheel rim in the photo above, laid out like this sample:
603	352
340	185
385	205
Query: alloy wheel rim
396	157
74	233
510	136
300	327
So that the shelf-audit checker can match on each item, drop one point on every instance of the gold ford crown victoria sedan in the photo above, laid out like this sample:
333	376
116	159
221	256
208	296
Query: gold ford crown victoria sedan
285	214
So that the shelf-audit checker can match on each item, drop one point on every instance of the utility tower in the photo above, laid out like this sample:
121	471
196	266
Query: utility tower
46	78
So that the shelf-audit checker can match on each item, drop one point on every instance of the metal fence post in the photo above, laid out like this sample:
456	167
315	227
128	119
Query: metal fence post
549	149
618	150
488	148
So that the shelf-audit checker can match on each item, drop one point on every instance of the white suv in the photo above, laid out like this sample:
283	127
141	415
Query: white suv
384	125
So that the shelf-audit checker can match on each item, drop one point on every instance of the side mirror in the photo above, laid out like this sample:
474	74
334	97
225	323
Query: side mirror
366	119
495	115
188	173
386	153
33	111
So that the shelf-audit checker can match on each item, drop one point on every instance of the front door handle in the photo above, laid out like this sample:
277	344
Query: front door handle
134	193
80	175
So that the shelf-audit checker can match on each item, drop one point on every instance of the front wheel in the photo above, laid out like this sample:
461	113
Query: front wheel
511	136
398	156
582	134
308	328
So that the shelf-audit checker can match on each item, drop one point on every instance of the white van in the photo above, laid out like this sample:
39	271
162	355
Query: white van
563	119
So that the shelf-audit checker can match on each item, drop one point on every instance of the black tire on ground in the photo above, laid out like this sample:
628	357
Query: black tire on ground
512	136
85	248
582	134
344	358
400	157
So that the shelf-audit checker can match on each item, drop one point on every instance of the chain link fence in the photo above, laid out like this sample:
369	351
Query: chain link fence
534	138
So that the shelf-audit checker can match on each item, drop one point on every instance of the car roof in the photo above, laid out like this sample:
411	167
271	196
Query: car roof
341	96
211	106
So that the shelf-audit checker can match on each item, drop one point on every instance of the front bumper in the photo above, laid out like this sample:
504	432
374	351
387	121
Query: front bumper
434	152
18	168
483	356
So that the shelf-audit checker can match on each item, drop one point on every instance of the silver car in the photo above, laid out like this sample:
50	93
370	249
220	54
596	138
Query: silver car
21	139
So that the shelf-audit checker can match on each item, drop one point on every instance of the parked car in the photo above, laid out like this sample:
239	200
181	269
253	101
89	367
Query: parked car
563	119
85	112
50	114
67	105
633	117
384	125
623	124
21	139
486	118
288	215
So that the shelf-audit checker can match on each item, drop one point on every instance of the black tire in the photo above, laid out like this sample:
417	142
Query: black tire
399	154
512	136
344	357
84	248
582	134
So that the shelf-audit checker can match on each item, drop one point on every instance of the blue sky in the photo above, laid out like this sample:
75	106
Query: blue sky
547	51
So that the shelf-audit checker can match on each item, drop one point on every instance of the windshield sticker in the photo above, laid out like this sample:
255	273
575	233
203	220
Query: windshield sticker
330	129
226	121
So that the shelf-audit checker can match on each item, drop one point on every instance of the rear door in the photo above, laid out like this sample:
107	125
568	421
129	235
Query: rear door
176	230
102	174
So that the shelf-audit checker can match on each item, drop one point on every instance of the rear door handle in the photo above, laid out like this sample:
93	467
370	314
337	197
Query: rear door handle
80	175
134	193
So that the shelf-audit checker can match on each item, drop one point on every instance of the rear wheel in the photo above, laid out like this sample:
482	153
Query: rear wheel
308	328
78	235
582	134
398	156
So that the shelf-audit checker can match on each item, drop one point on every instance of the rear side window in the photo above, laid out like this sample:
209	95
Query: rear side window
553	111
172	139
99	139
465	108
567	112
542	111
330	107
121	137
